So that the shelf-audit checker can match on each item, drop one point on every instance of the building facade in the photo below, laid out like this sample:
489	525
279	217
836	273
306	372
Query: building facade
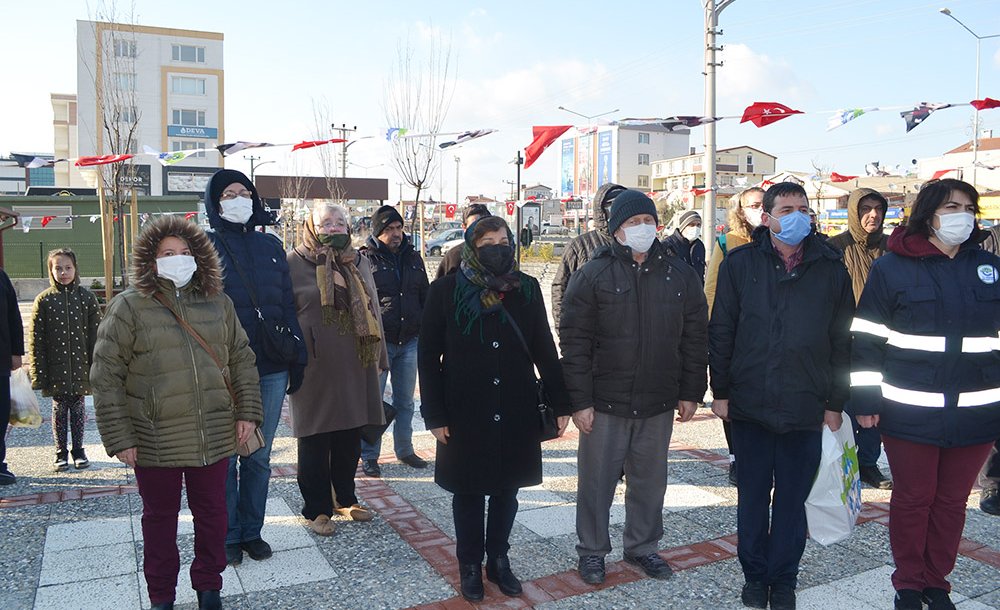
958	163
165	84
735	168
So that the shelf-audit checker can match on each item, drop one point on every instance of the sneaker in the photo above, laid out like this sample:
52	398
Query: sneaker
321	525
754	594
782	597
732	473
234	554
356	512
908	599
989	501
81	462
414	461
371	468
937	599
591	569
873	477
7	477
652	564
61	464
258	550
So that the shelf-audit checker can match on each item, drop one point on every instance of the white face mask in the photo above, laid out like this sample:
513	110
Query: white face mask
238	210
955	228
691	233
754	215
639	237
178	269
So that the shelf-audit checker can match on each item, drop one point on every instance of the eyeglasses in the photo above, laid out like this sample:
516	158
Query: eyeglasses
227	195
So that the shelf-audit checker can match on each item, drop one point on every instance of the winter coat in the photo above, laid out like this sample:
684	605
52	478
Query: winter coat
337	393
780	342
401	281
11	329
691	252
633	336
155	387
732	240
450	262
64	323
925	356
262	260
860	247
481	386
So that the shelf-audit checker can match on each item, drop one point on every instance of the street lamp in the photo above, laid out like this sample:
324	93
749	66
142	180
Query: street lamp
975	120
590	118
254	165
365	167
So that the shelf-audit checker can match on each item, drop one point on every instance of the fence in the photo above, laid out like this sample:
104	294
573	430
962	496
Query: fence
28	259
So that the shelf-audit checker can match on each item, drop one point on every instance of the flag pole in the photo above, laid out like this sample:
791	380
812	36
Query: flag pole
712	10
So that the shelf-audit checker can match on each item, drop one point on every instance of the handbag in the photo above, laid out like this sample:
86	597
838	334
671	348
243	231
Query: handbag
372	433
548	423
256	440
834	501
278	342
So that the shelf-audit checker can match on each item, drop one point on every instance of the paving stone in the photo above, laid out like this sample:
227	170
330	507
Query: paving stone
98	594
81	564
285	568
82	534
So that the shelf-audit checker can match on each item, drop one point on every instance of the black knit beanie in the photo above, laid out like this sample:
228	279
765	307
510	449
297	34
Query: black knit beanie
223	178
627	204
383	217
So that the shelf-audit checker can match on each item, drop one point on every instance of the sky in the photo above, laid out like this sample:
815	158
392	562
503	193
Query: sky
516	62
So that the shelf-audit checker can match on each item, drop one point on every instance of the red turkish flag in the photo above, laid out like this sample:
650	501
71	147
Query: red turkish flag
700	192
938	174
104	160
46	220
985	104
762	114
449	210
510	208
835	177
312	143
544	136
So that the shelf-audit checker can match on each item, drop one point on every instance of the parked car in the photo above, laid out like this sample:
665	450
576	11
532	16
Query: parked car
447	224
437	240
448	245
556	231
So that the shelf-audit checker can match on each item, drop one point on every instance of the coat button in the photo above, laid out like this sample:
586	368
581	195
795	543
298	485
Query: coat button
635	412
496	381
496	344
496	417
618	289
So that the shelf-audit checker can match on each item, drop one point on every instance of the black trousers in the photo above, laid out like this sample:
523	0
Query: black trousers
328	459
471	542
4	417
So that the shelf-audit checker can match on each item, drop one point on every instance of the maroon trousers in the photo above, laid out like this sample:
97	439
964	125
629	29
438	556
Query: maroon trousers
160	489
931	486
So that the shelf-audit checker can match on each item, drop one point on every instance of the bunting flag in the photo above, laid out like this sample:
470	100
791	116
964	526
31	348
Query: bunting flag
940	173
544	136
920	113
190	215
835	177
670	123
313	143
465	136
762	114
394	132
102	160
449	211
46	220
985	104
93	218
31	161
170	158
235	147
26	223
511	206
700	192
842	116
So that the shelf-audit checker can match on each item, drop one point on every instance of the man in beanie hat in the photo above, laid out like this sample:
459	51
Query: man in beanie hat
634	346
579	250
402	284
685	241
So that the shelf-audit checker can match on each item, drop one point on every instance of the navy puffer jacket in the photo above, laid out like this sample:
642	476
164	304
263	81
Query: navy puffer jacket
263	262
401	279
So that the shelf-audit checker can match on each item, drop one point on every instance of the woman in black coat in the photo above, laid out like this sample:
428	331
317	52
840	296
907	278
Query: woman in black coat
478	395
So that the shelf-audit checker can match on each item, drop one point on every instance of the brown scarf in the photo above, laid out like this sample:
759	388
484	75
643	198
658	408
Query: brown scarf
342	293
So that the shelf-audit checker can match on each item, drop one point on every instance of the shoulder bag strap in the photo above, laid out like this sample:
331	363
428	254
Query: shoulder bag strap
517	331
194	335
243	278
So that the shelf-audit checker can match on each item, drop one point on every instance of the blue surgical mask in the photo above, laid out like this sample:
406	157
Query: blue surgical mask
794	228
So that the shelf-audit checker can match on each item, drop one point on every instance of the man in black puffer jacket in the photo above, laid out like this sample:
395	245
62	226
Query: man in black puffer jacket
402	290
633	339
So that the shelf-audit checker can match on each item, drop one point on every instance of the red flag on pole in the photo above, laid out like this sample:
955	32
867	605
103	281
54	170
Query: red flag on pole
835	177
937	175
544	136
449	210
762	114
985	104
510	207
46	220
312	143
103	160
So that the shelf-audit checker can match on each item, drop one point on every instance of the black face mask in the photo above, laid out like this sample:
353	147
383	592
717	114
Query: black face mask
496	259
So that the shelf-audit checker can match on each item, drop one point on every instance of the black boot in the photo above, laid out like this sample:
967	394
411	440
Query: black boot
498	572
163	606
472	581
209	600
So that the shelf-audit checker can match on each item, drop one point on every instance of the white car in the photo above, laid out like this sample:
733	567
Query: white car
448	245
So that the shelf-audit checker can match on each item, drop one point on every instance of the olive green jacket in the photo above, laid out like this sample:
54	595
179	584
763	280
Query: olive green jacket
63	333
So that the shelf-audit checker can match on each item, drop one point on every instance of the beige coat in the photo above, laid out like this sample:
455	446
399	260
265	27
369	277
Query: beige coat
337	392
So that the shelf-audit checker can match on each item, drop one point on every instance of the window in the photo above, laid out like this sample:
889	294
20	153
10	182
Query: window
177	145
644	181
643	159
183	52
125	81
749	163
187	86
124	48
126	114
643	137
190	118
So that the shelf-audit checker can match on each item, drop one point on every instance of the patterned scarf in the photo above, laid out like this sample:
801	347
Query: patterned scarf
342	294
477	291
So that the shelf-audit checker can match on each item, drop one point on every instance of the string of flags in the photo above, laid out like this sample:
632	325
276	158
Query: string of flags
26	222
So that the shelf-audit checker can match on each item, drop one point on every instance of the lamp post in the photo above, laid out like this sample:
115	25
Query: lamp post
590	119
712	10
457	161
254	165
975	121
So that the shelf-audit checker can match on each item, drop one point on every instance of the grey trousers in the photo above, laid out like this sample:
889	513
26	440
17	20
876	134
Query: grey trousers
640	446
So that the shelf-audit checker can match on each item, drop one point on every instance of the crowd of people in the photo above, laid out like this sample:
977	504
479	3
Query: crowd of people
190	366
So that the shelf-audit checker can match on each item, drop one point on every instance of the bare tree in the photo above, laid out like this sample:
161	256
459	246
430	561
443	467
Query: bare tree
418	94
293	190
326	153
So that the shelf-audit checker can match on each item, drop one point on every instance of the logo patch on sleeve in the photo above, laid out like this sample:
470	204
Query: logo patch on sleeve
987	273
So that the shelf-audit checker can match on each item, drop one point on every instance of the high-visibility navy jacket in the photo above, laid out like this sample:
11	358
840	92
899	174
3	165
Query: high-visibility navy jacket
926	352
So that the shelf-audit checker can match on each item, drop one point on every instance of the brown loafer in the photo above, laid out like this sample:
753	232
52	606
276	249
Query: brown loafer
356	512
321	525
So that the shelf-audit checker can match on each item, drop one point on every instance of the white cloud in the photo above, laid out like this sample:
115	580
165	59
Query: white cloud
746	74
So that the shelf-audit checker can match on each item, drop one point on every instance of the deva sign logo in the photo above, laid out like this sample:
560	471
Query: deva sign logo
185	131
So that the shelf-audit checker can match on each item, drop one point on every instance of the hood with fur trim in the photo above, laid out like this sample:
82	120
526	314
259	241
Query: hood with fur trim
219	181
207	280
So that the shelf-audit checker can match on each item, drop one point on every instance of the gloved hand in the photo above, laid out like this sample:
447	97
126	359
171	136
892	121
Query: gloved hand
295	376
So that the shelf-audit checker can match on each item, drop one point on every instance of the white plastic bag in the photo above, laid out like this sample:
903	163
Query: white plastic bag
834	503
24	412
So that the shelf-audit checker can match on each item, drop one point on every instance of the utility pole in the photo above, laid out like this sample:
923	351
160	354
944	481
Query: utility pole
512	183
401	194
519	161
712	10
457	161
343	130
